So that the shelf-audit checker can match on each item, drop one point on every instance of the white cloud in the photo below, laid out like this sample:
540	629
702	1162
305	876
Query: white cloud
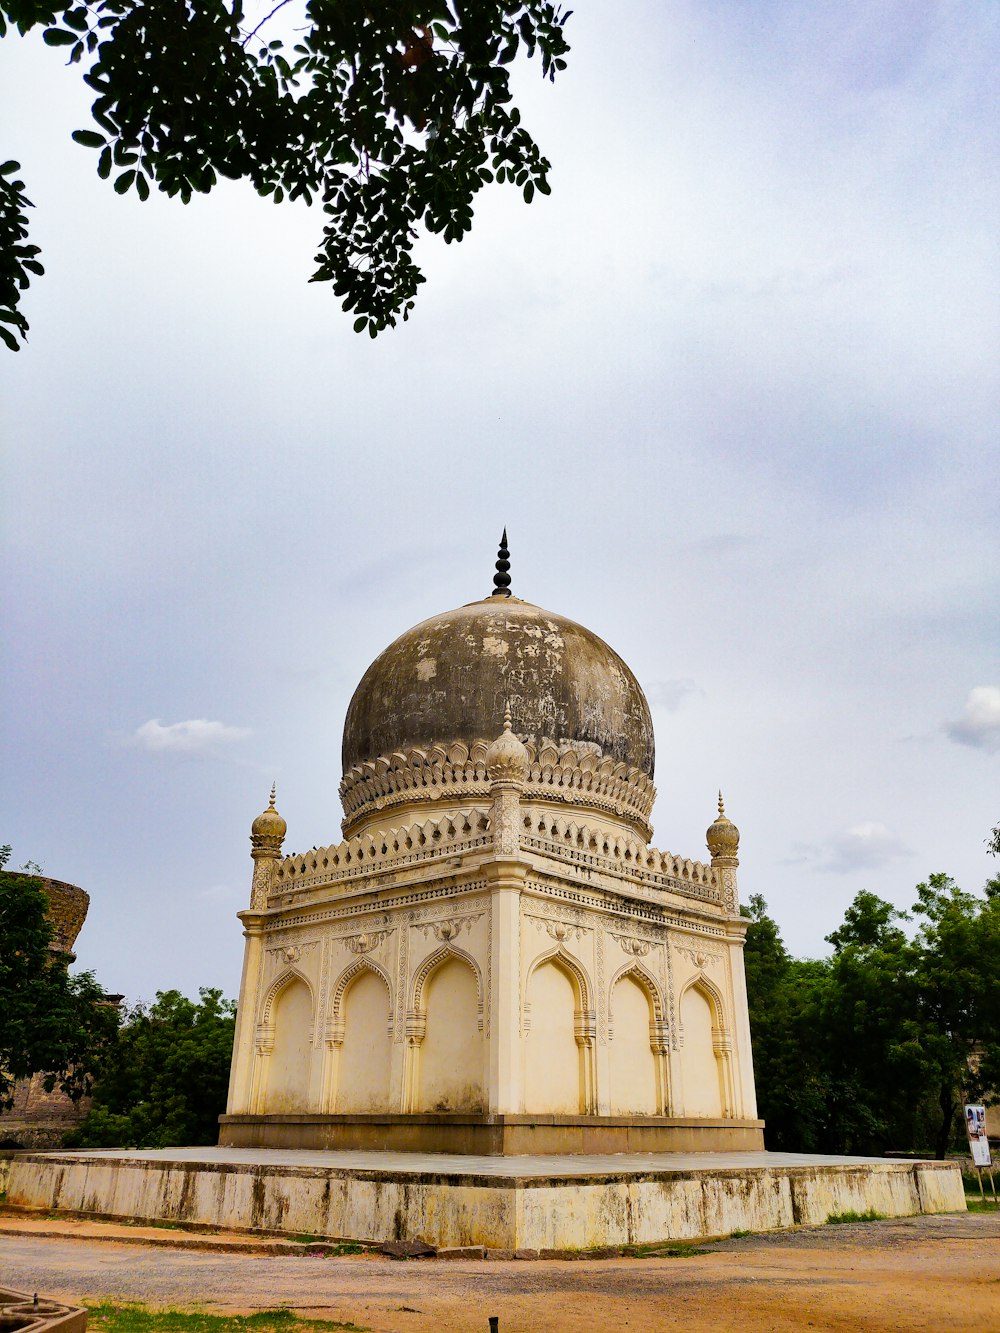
670	694
979	725
196	736
866	846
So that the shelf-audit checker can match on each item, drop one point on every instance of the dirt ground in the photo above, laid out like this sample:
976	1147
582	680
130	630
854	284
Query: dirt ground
923	1273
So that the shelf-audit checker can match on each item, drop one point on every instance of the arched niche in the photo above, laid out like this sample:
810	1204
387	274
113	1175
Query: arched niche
451	1055
363	1023
288	1021
702	1062
635	1066
558	1038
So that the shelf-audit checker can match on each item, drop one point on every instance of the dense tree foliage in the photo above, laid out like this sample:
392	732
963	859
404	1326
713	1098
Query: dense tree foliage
51	1023
165	1083
391	116
873	1048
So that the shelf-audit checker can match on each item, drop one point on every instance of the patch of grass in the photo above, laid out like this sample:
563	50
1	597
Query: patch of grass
327	1248
978	1205
837	1219
110	1318
739	1235
665	1250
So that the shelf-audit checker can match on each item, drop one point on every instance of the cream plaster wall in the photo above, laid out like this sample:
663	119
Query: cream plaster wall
702	1094
365	1056
289	1065
452	1054
551	1054
631	1062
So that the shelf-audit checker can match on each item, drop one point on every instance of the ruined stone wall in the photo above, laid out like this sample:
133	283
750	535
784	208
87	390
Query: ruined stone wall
40	1119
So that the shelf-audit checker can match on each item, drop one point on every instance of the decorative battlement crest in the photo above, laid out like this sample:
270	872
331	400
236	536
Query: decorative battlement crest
568	771
586	848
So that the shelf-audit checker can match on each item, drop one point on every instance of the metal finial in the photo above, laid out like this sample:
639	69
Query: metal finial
274	793
722	808
501	579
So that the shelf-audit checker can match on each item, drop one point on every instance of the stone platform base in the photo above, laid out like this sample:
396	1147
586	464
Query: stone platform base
504	1203
491	1135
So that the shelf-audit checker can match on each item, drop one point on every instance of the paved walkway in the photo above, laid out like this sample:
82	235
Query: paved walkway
914	1275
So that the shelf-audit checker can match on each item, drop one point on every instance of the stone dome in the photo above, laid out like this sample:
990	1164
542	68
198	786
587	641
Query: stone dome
450	679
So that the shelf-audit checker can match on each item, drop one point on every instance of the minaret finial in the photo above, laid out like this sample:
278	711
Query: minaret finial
722	808
501	579
274	794
507	721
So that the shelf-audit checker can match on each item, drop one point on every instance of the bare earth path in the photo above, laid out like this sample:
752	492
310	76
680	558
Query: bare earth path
922	1273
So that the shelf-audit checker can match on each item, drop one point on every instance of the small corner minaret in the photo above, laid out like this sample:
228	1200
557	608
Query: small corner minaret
507	767
501	579
723	838
267	833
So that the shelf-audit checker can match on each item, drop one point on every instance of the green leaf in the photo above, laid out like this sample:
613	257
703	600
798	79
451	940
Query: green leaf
124	182
8	167
529	192
359	323
58	37
142	186
89	138
9	339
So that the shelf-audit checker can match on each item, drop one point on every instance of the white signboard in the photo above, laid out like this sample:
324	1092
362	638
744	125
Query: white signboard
975	1127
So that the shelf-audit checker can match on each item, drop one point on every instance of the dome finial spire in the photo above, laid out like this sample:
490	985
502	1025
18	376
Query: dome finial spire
501	579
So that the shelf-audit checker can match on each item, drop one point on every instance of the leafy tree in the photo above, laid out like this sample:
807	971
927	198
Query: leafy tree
391	116
50	1022
792	1088
954	1029
874	1047
166	1082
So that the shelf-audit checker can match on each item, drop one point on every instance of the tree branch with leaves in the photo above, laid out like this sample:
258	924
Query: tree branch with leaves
390	116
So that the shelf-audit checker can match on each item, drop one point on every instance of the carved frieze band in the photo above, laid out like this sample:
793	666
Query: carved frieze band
637	948
291	953
555	929
366	941
701	957
449	929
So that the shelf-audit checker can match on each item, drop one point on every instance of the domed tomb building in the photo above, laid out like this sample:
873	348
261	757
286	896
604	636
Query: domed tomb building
494	959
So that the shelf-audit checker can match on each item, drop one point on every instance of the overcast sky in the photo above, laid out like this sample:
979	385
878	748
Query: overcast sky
733	389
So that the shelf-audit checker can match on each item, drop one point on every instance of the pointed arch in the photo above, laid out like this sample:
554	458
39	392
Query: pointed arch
283	1069
351	974
705	1061
702	982
284	979
359	1029
577	972
560	1027
647	981
445	1049
432	963
638	1079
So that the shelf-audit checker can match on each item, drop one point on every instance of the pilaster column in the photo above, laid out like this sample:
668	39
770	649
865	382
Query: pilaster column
507	767
504	1074
267	833
244	1044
